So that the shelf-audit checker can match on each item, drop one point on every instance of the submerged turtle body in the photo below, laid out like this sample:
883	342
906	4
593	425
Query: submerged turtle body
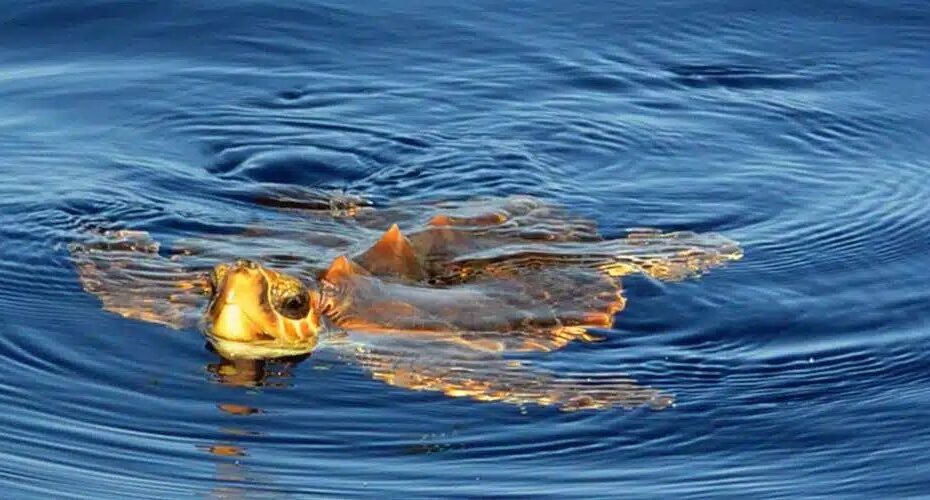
437	308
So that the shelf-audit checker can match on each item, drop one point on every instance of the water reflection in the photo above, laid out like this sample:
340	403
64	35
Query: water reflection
252	373
233	477
237	409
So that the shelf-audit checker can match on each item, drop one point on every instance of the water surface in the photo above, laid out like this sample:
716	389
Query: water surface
799	130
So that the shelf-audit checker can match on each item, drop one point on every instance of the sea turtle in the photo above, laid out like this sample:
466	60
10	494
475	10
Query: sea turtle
443	304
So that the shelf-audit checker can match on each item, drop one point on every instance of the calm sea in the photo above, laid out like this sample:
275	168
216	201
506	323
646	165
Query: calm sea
799	129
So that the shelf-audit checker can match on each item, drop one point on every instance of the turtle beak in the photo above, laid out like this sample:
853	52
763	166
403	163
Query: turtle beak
239	309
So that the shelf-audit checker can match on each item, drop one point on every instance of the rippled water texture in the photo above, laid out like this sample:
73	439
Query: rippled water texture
799	130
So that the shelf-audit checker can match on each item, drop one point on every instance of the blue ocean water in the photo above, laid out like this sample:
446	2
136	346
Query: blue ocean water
799	129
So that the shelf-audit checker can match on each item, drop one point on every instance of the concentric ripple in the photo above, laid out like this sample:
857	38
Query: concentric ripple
252	129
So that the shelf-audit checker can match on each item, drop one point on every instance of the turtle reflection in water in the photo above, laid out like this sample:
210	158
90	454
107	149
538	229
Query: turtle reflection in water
442	306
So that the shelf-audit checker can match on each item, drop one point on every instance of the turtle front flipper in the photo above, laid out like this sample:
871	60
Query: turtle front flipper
126	272
668	256
489	378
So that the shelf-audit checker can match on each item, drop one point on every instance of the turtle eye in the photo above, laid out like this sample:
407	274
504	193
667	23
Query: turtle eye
295	306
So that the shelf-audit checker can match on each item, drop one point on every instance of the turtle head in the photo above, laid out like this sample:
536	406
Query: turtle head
256	312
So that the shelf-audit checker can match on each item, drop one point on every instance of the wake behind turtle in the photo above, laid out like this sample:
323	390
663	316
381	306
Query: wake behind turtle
437	302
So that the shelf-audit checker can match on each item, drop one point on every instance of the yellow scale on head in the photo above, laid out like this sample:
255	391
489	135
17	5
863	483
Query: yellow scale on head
252	313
